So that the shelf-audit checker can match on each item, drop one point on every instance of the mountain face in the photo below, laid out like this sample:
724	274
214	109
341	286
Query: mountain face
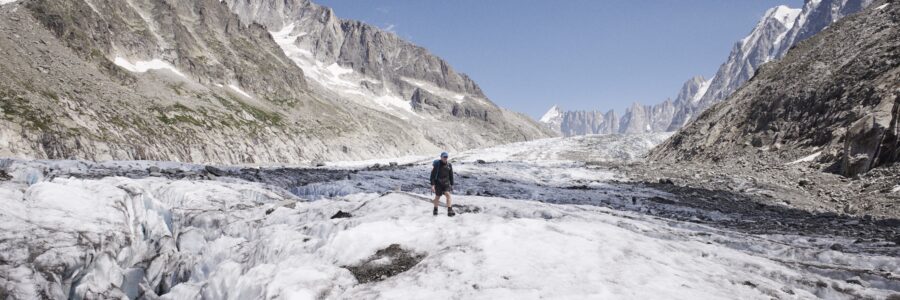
199	81
832	100
357	62
748	54
589	122
777	31
690	93
637	119
379	56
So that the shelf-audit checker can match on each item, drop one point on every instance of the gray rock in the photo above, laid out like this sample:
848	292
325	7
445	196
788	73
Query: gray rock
868	137
341	215
400	260
857	281
214	171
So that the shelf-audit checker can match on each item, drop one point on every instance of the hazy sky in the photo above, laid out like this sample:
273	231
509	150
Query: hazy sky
580	54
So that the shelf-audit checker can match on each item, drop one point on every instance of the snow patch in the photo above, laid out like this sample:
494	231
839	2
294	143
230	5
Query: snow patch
807	158
2	2
880	7
238	90
786	15
701	91
436	90
329	76
390	101
783	14
895	189
144	66
341	80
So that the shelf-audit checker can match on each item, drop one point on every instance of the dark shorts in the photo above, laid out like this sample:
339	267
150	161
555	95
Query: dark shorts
441	189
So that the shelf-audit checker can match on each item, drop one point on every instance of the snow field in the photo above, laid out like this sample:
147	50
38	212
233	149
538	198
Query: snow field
144	66
214	239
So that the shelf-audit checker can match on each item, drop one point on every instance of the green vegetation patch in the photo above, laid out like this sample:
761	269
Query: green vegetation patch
263	116
177	114
17	109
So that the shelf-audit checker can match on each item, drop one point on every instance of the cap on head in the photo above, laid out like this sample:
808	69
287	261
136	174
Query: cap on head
444	154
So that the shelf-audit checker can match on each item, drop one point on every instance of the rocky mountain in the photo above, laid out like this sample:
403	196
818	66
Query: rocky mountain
778	30
202	81
690	93
832	101
748	54
571	123
637	119
589	122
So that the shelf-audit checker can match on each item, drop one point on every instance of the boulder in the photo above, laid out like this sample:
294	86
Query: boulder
872	140
341	215
386	263
215	171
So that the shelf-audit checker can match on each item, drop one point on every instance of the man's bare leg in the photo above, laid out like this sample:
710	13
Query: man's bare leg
447	195
437	200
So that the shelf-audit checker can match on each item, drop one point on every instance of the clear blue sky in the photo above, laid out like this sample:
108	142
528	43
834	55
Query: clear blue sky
581	54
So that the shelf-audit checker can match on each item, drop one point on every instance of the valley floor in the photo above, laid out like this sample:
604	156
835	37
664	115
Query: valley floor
569	218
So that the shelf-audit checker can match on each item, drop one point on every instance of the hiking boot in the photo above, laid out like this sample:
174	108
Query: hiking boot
435	211
450	212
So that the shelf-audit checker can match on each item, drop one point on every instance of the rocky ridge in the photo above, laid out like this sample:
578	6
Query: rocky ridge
190	81
831	102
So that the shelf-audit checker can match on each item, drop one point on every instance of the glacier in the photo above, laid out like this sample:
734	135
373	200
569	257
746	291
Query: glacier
540	219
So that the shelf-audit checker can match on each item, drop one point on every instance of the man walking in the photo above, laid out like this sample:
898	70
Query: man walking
442	182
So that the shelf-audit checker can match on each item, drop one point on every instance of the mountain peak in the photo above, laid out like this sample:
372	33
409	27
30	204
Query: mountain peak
784	14
551	115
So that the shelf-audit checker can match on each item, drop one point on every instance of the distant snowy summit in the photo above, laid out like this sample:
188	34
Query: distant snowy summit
779	29
552	115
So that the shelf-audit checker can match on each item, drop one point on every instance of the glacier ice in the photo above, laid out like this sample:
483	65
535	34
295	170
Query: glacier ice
73	233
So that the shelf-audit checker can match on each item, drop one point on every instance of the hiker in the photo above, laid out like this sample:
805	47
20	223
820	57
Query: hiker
442	182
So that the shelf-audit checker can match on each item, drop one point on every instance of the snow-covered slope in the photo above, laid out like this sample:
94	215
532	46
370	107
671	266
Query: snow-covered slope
552	114
760	46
